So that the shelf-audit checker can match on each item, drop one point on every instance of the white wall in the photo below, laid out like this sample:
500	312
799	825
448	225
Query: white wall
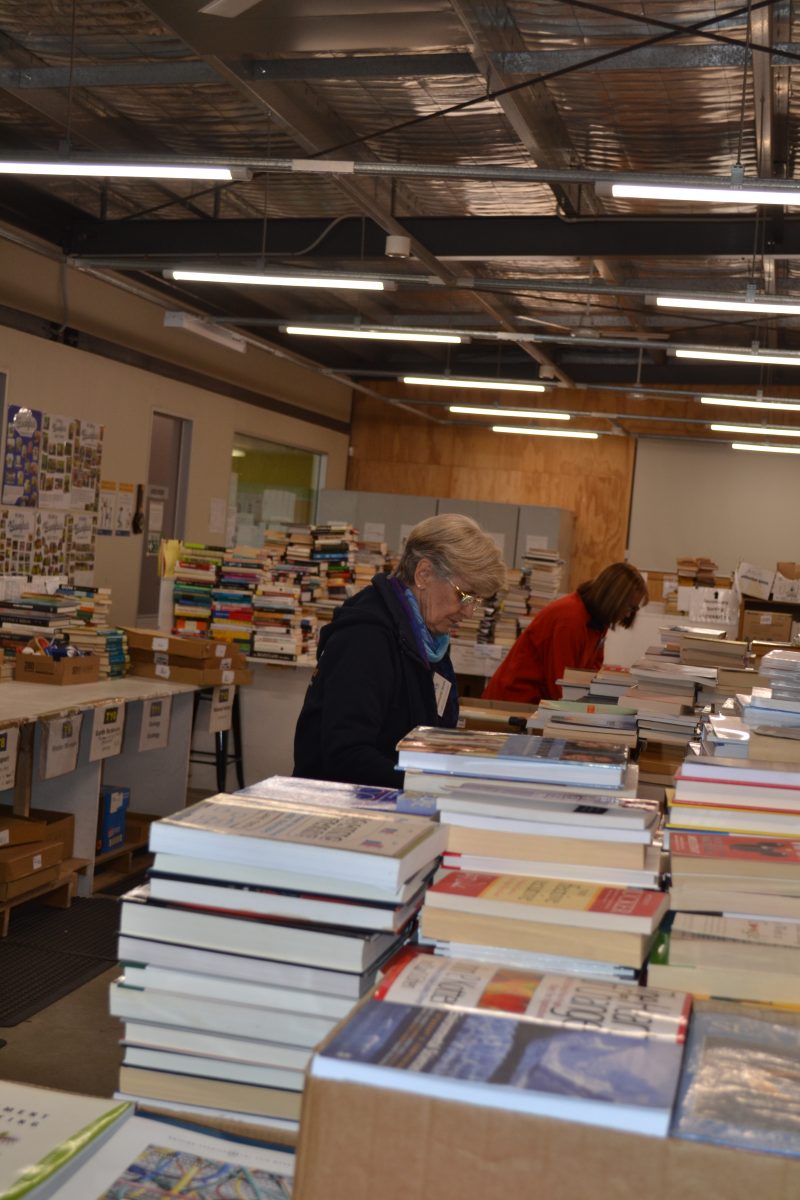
701	499
59	379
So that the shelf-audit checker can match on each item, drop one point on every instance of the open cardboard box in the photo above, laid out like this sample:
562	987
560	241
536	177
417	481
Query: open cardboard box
40	668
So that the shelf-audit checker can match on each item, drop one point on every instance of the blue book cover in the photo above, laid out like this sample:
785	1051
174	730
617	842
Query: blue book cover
325	793
740	1084
598	1078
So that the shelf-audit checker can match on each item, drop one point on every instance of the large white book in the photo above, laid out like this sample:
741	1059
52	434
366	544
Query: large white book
577	808
147	952
179	1039
381	848
512	756
199	1012
237	991
154	1059
153	1157
296	942
45	1135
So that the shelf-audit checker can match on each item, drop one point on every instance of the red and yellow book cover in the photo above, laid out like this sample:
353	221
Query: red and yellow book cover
548	893
765	850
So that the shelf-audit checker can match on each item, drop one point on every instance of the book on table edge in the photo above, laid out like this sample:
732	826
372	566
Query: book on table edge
710	854
179	1039
147	1149
718	769
236	991
147	952
428	981
169	1086
578	808
170	1109
528	960
723	1050
420	782
47	1134
376	847
749	980
648	877
573	827
516	756
236	899
474	839
291	941
599	945
158	1059
549	901
153	1006
688	897
251	875
711	818
605	1079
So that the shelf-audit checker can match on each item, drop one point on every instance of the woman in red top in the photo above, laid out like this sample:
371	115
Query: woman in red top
568	632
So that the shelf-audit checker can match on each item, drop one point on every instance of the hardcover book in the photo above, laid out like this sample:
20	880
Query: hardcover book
596	1078
512	756
376	847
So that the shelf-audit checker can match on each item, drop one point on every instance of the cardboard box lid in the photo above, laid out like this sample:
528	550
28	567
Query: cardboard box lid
157	639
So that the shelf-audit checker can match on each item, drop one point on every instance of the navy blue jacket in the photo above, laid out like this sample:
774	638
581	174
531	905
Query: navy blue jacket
371	687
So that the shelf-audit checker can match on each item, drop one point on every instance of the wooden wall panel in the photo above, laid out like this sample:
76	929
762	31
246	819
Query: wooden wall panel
396	451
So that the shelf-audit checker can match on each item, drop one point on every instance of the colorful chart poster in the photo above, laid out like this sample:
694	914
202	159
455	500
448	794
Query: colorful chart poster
107	508
80	556
55	461
50	545
17	536
21	462
124	517
87	457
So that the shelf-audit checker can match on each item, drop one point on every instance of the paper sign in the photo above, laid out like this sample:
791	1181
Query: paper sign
108	721
217	515
60	742
107	507
9	739
221	709
156	714
124	513
155	516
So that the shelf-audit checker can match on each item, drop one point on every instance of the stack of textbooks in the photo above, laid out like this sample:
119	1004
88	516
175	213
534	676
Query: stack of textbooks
736	795
583	720
724	733
277	621
548	850
334	549
665	697
750	876
264	920
370	558
546	576
195	575
232	598
598	1053
514	607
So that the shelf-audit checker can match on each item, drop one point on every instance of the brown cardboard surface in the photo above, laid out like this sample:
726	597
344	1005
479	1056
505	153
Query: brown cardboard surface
200	677
27	883
232	659
47	826
16	830
188	647
767	626
789	570
16	861
40	668
359	1143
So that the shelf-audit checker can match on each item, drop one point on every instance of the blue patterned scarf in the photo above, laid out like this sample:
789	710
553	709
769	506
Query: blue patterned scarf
434	644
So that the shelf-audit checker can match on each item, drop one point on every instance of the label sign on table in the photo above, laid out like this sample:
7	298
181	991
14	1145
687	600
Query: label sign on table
221	709
108	722
154	733
60	743
9	739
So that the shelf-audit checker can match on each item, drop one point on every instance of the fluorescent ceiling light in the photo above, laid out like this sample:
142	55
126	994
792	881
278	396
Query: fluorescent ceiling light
742	402
571	433
491	385
765	430
744	306
508	412
237	454
781	360
706	195
108	170
314	281
206	329
765	449
376	335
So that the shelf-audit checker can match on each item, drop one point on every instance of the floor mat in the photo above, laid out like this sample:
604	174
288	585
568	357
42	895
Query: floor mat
51	951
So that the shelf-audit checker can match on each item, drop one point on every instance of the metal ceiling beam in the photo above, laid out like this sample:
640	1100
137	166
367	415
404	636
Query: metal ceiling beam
456	238
144	74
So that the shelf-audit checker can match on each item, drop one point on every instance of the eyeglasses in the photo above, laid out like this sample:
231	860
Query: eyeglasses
465	599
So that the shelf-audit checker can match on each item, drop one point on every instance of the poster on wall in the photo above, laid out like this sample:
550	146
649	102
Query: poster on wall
107	508
21	462
17	536
124	515
55	461
50	549
80	552
87	456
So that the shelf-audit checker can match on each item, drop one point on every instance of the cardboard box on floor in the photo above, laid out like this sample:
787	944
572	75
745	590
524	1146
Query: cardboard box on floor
358	1143
41	825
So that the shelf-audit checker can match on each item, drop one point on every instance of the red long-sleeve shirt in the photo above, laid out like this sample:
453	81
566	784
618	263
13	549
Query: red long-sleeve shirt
559	636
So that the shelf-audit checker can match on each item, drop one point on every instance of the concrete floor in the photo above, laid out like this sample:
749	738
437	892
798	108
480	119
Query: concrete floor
72	1045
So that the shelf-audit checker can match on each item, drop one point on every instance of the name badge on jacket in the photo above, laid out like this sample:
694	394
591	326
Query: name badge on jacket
441	689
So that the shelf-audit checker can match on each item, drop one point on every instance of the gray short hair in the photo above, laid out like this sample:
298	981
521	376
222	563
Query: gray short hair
455	545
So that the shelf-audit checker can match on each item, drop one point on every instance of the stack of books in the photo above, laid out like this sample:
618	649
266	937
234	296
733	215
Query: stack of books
36	615
736	795
696	572
548	850
93	633
370	558
546	576
664	695
514	606
584	720
576	683
195	575
725	734
185	659
334	549
277	621
239	575
263	922
610	683
703	650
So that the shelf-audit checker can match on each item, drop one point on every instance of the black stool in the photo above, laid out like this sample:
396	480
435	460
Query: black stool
220	756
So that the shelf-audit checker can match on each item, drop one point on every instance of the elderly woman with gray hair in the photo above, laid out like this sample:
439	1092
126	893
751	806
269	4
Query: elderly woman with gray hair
383	663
